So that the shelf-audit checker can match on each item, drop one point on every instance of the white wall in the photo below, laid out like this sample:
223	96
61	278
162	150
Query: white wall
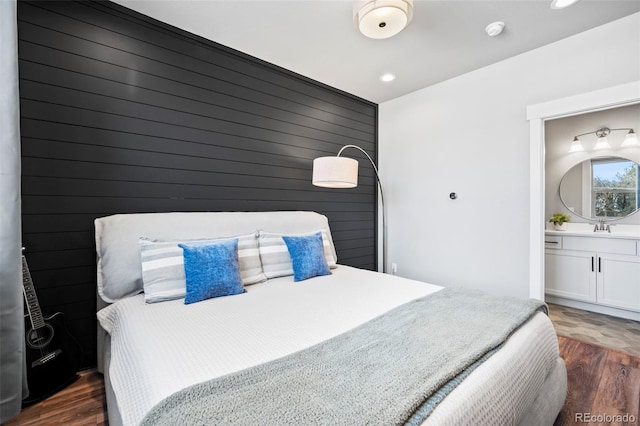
470	135
558	136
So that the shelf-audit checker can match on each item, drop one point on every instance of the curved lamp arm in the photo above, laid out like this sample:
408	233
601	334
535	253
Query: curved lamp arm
343	174
375	169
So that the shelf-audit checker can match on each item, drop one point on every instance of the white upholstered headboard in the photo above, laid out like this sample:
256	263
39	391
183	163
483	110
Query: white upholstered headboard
118	252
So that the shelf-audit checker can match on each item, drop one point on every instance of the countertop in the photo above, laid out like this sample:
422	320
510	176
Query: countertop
586	230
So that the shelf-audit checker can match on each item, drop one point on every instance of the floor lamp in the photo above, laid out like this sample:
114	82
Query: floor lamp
342	172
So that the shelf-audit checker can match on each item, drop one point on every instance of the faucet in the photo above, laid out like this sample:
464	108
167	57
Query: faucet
600	226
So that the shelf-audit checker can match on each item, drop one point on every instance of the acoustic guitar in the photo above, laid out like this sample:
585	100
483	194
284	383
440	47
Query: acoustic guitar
53	356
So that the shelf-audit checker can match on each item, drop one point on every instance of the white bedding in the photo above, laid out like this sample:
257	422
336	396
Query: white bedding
157	349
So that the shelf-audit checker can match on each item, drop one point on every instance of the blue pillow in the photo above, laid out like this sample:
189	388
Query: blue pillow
211	270
307	256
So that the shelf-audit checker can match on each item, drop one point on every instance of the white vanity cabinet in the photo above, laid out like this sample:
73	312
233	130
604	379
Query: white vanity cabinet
570	274
595	270
619	281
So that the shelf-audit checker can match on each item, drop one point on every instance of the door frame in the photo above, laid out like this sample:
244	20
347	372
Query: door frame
611	97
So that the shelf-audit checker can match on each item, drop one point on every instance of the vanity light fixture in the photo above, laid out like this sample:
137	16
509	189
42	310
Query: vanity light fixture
342	172
382	18
603	142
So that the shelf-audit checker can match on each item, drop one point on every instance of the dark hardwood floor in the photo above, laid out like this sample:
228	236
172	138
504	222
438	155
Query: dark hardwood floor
80	404
602	382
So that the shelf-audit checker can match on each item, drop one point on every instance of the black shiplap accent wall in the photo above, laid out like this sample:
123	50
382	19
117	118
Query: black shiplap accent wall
121	114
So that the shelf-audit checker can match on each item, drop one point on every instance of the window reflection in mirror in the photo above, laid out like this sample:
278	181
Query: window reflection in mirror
600	188
614	188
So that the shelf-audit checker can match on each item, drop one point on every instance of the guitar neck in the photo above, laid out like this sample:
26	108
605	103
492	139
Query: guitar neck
35	314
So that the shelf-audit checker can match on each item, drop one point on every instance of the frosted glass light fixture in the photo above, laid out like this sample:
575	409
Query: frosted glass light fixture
382	18
631	139
576	145
602	142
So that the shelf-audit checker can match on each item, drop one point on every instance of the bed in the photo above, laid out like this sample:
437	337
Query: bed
344	346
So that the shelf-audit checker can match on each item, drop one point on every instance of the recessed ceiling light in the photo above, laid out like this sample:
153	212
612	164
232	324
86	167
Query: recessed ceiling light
387	77
561	4
494	28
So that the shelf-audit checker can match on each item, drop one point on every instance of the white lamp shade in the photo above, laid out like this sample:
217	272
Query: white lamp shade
335	172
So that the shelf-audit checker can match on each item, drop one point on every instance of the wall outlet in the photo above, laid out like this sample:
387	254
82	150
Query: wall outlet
394	268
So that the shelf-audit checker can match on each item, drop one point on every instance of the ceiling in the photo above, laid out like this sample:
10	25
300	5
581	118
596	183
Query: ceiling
318	39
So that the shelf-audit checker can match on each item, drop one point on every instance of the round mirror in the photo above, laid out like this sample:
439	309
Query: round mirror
602	188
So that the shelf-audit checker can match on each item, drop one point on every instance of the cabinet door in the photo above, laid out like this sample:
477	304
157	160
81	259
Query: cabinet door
570	274
619	281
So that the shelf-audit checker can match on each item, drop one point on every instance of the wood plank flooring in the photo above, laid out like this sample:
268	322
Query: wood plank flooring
82	403
601	382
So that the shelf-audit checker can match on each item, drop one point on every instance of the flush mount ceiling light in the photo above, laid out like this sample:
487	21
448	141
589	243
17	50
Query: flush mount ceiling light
494	28
561	4
382	18
630	140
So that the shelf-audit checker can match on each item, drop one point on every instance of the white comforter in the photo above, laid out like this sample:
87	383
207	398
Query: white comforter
157	349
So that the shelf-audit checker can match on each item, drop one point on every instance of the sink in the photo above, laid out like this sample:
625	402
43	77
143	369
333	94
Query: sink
619	231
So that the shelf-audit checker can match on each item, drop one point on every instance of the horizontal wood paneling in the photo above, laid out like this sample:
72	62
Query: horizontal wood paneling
123	114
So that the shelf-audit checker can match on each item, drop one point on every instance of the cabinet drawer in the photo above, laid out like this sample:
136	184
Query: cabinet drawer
602	245
552	242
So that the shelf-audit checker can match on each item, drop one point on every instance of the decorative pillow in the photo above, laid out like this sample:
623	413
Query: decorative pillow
276	261
211	270
307	256
163	274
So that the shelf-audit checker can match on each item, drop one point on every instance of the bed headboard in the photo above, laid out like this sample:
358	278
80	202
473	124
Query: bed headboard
118	252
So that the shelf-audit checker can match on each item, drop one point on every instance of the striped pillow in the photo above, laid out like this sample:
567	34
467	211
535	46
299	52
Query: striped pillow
276	261
162	262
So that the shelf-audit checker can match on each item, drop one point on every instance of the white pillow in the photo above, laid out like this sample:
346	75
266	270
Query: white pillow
162	263
275	258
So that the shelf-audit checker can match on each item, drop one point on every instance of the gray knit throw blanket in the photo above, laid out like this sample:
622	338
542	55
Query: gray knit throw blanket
380	373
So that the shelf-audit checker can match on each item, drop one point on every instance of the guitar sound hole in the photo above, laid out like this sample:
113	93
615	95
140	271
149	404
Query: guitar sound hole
38	339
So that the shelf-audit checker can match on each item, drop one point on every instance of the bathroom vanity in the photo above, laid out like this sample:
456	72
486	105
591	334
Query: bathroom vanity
594	270
595	263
